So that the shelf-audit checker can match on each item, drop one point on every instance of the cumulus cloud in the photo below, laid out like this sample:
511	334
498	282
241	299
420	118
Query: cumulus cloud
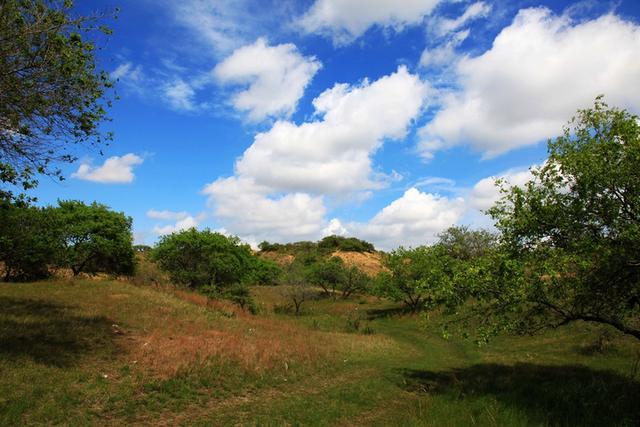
334	228
414	219
115	170
539	70
181	221
485	192
248	210
346	20
278	190
332	154
276	77
182	224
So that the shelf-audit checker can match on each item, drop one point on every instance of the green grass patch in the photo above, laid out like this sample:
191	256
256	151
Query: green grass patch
67	356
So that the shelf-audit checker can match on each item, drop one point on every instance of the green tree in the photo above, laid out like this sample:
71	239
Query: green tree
570	235
354	281
30	243
418	277
295	286
95	239
347	244
204	258
329	274
264	272
465	244
52	95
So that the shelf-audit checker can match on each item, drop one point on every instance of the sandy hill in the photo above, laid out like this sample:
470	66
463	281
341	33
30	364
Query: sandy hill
369	262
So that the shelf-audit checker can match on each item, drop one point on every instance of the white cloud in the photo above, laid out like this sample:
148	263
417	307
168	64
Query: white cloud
445	54
485	192
167	215
539	70
181	224
128	72
414	219
276	77
115	170
476	10
247	210
222	25
346	20
333	153
179	95
278	190
334	228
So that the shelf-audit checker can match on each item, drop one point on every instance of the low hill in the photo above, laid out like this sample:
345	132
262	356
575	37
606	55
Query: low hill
368	262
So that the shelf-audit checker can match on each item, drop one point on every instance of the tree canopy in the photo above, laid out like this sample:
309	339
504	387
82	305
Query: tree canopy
204	258
95	238
570	236
84	238
52	94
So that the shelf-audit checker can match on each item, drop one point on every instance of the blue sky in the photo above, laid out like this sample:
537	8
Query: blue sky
385	120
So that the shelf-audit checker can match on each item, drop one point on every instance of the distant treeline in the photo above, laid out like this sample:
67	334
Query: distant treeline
329	243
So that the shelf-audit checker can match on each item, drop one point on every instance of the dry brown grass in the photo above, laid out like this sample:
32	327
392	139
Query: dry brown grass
255	343
279	258
369	262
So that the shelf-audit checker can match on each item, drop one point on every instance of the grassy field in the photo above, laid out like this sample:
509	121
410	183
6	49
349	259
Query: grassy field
100	352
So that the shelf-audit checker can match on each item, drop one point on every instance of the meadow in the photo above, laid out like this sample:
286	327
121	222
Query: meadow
87	352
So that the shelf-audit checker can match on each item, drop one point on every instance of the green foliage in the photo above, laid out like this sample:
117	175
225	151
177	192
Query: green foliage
347	244
420	277
84	238
95	239
324	246
464	244
354	281
264	272
329	274
295	286
204	258
29	242
52	95
570	235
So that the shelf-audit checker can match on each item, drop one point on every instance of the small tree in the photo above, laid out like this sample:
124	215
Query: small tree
329	274
464	244
95	239
264	272
295	286
354	281
204	258
570	235
418	277
29	242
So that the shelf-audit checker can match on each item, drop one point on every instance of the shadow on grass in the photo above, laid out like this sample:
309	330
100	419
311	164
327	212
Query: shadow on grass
548	395
51	334
378	313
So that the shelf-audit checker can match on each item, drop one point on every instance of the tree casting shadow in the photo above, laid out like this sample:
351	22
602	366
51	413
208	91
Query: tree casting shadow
549	395
51	334
379	313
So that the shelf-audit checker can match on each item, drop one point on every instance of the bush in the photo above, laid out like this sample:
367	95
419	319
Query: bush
204	258
29	242
347	244
95	239
264	272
